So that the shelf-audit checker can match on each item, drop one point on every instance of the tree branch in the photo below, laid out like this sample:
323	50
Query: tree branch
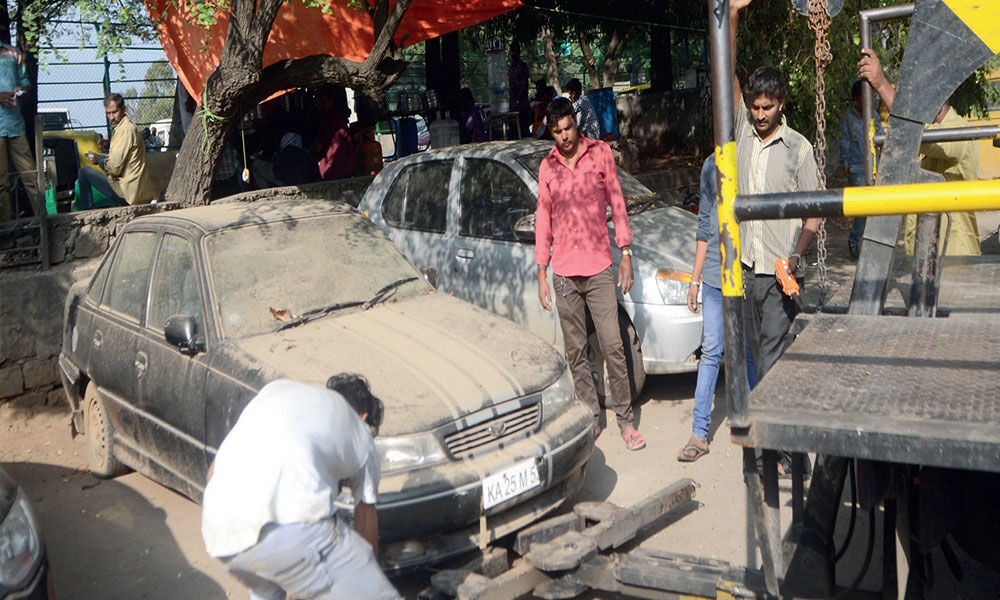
319	69
384	34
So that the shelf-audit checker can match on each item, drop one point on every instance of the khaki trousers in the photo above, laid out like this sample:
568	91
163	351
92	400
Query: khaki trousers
574	297
24	163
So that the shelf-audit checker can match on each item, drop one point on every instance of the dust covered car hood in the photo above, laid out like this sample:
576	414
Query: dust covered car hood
431	359
664	236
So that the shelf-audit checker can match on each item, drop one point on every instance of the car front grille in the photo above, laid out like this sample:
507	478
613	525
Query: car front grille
473	438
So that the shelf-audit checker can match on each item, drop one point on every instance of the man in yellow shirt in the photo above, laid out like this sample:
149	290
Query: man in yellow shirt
127	180
956	161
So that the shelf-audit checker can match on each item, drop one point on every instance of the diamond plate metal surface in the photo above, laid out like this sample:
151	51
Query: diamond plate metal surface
889	388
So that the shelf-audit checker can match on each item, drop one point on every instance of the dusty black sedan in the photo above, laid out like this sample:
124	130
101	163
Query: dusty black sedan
192	311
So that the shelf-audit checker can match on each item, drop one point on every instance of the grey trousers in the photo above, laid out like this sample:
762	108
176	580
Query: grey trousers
768	314
310	561
574	296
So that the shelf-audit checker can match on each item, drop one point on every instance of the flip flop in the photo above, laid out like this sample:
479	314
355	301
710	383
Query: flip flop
698	453
634	441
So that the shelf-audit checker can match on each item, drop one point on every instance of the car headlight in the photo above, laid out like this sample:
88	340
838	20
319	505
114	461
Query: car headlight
673	285
558	396
20	548
406	452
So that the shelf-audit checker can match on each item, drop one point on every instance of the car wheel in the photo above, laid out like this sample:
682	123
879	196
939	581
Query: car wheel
100	437
633	358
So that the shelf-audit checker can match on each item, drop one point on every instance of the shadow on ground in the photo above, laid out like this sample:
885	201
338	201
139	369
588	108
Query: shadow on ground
104	540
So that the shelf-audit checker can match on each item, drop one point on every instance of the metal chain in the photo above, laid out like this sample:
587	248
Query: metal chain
819	23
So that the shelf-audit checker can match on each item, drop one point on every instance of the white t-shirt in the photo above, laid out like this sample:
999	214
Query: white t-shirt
283	462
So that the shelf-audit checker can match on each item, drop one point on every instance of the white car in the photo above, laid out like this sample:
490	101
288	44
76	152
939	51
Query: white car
465	216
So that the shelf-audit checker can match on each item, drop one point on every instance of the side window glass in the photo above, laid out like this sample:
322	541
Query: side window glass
97	283
419	197
493	199
125	291
174	289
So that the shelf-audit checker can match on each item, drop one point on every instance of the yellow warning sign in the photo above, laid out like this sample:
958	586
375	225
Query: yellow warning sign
982	17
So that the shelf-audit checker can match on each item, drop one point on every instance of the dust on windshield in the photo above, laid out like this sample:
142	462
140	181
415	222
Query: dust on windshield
266	274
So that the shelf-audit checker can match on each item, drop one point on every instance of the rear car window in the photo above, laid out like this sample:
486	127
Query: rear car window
419	197
125	291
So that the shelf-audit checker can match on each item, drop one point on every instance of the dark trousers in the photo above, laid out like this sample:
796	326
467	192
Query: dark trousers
768	314
574	296
88	178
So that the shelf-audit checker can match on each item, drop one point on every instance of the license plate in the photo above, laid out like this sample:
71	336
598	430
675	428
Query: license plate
512	481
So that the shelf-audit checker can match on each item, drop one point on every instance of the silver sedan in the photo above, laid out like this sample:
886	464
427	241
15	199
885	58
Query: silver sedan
464	216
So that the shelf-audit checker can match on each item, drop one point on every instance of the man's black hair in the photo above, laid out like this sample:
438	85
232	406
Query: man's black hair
354	389
574	85
559	108
766	80
114	98
856	89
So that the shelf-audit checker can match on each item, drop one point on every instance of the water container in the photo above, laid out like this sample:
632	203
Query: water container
444	132
406	139
603	101
496	76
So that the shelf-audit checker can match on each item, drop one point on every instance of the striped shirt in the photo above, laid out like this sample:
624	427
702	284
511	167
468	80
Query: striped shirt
784	164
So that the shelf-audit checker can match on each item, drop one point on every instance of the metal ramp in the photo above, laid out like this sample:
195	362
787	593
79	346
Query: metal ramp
911	391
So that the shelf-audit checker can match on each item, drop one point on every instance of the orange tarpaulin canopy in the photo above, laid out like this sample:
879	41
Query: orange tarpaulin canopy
301	31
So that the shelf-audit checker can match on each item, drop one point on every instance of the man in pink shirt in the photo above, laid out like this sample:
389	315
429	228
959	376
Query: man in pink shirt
576	181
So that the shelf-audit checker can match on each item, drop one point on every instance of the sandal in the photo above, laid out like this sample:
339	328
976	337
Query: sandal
634	440
691	453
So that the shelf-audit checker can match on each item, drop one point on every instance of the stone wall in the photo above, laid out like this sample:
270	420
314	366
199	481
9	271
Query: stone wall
32	300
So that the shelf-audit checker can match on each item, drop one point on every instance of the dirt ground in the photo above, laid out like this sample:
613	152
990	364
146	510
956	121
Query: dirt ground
130	538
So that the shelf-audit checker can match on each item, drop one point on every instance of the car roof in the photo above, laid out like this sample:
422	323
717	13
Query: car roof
224	216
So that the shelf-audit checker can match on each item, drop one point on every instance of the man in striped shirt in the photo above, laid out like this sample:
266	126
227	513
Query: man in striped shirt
771	157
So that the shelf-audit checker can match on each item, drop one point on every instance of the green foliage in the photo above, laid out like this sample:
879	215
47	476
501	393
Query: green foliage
156	101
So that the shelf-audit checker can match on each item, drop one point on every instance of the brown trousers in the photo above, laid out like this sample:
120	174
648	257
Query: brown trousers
20	153
574	296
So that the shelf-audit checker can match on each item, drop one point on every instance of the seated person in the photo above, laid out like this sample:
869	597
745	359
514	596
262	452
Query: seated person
127	180
471	127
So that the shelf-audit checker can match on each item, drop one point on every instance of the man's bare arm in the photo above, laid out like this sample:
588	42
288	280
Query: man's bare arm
366	524
870	69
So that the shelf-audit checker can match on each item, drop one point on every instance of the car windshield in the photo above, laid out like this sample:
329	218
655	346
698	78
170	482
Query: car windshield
269	274
633	190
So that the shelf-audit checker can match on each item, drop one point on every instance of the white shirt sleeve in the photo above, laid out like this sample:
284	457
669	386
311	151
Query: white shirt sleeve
365	482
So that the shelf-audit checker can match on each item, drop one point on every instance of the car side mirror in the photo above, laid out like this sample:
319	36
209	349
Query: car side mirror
524	228
182	331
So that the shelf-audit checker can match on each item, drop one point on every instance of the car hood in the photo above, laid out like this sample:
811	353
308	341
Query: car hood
664	237
431	359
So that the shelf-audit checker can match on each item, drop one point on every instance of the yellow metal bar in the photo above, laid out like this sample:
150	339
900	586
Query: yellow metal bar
982	17
729	227
918	198
871	148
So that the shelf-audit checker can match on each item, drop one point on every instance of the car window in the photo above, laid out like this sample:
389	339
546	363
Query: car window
125	291
174	289
419	197
97	282
493	199
266	274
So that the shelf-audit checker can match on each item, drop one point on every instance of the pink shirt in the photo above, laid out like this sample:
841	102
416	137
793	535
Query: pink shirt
571	217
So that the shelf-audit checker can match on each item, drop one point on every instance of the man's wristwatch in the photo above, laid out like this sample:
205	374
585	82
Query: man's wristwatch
626	252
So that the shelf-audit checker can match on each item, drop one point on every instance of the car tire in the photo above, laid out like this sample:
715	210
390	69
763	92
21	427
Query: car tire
100	437
633	358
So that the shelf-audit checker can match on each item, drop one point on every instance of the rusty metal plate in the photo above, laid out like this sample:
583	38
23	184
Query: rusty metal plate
888	388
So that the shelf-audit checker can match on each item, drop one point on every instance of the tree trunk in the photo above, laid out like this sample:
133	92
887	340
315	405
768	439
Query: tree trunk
239	83
589	64
613	57
551	62
661	60
4	24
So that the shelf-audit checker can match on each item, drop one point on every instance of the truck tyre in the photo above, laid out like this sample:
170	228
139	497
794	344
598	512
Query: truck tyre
100	437
633	358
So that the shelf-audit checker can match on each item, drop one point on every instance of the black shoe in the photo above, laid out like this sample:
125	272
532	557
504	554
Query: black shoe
853	251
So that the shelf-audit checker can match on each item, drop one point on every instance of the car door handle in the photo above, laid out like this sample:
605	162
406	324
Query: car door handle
465	253
98	338
140	363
